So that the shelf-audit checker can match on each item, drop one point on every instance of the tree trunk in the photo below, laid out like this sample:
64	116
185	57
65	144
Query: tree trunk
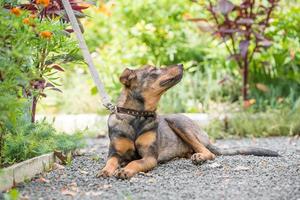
245	80
33	109
1	145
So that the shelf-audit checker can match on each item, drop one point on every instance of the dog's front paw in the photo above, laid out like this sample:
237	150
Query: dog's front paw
124	173
104	173
198	159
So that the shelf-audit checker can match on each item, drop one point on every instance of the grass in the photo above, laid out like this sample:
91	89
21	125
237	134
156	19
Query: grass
283	122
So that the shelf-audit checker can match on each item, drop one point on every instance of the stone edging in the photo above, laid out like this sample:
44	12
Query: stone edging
25	170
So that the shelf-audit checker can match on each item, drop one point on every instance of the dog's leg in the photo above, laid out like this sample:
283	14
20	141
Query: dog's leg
146	146
187	131
119	147
111	166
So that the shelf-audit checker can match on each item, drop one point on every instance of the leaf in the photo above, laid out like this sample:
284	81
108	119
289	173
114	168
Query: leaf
94	90
61	156
244	44
225	6
197	20
227	30
56	89
57	67
235	57
43	94
42	180
265	43
245	21
262	87
49	85
57	166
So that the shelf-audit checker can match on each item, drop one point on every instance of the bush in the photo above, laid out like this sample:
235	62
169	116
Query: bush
36	139
282	122
32	49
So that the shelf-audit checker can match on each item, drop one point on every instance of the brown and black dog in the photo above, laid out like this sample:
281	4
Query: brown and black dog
139	139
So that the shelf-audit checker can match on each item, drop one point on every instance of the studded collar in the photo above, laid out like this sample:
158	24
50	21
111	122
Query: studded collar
135	113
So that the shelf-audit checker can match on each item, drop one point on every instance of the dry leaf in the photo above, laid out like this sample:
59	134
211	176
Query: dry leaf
262	87
42	180
57	166
83	172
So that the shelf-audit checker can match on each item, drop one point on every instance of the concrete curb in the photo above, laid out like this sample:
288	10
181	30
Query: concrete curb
25	170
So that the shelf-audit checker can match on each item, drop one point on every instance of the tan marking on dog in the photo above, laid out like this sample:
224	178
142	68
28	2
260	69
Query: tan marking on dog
195	143
122	145
151	101
146	139
111	165
143	165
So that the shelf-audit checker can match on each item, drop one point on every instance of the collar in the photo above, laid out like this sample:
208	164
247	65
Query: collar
135	113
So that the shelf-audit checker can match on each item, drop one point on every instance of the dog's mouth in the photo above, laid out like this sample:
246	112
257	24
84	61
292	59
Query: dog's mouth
171	81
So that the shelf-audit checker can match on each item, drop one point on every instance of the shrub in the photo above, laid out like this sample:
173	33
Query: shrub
33	46
281	122
36	139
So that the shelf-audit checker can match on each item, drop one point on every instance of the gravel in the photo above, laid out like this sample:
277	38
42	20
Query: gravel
227	177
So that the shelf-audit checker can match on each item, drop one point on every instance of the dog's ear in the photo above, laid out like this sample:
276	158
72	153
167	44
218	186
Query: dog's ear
127	76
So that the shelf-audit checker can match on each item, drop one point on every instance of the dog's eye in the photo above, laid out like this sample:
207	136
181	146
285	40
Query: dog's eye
154	75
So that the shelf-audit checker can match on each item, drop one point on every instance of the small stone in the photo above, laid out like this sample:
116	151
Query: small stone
241	168
215	165
152	180
83	172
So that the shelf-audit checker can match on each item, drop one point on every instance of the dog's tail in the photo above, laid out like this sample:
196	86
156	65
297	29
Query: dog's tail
255	151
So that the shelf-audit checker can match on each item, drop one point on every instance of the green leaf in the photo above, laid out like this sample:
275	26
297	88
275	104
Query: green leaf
94	90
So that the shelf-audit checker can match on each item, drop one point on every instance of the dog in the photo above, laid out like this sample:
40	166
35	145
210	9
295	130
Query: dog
140	139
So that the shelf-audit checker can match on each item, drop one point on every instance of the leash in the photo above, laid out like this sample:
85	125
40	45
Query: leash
88	58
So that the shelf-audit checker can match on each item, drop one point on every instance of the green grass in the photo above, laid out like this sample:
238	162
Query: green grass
283	122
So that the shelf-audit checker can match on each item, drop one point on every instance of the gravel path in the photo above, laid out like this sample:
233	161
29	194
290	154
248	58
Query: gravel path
235	177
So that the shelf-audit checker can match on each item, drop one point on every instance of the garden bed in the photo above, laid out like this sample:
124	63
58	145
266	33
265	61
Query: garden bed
25	170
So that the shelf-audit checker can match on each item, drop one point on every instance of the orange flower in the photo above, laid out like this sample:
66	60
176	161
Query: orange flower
46	34
44	3
292	54
26	21
105	10
248	103
32	16
187	16
16	11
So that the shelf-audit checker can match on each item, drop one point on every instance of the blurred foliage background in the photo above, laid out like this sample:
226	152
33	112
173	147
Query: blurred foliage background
133	33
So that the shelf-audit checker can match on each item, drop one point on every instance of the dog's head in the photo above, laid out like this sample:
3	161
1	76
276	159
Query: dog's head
150	82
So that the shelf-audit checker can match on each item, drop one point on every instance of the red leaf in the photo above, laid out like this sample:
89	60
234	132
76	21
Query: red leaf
49	85
56	89
69	30
245	21
79	8
225	6
227	30
244	44
197	20
31	7
57	67
265	43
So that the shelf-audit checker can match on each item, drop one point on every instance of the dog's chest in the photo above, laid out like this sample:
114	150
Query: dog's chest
131	127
